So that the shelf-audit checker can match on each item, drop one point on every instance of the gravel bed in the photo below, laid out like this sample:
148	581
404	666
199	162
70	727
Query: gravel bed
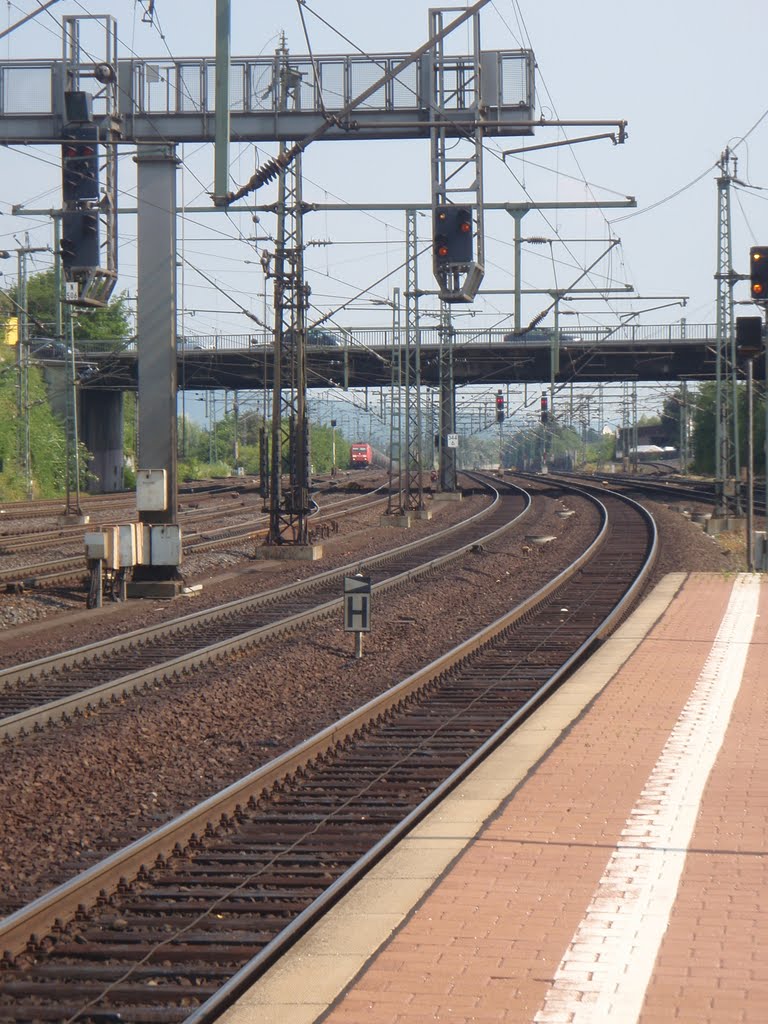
225	575
116	774
32	606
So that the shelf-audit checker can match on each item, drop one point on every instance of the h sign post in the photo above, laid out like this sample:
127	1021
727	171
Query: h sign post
357	608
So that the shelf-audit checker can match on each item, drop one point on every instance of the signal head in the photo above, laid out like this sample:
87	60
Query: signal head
758	273
452	227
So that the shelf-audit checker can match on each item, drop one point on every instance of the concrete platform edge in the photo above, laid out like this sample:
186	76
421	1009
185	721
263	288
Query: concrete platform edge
326	960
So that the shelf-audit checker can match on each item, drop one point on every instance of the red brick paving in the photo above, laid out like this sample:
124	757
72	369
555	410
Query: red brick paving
484	944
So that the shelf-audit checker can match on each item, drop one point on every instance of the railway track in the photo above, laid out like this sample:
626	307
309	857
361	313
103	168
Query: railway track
70	683
99	503
68	569
703	491
33	538
177	925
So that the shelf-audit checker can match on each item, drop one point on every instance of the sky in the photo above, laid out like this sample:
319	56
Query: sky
685	76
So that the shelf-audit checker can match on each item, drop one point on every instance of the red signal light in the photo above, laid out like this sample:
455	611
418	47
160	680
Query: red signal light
71	152
758	272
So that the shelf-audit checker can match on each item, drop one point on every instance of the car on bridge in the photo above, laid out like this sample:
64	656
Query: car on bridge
315	339
51	350
539	335
47	348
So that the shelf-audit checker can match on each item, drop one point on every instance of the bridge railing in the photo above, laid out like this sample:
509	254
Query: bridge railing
181	86
380	339
163	86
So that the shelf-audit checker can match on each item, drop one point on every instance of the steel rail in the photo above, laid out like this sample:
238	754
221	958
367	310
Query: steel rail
704	492
35	717
41	915
54	571
124	640
209	1012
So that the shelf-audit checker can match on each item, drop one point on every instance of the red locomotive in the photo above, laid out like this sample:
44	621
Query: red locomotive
360	455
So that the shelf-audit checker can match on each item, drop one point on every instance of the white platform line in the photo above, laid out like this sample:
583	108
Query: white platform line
605	972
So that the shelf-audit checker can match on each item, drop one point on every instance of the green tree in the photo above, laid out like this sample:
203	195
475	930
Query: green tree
601	449
321	449
670	418
704	434
47	438
477	451
88	324
48	446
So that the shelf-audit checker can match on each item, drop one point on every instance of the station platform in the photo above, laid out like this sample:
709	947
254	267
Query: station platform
608	863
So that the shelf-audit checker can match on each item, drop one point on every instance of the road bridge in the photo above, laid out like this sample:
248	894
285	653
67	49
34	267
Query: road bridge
361	357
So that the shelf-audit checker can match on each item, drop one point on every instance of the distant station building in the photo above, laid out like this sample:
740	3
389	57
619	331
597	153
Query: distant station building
651	440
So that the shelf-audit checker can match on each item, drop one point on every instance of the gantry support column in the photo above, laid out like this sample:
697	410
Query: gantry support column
157	167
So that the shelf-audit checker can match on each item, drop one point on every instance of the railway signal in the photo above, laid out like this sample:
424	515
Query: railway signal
452	235
80	164
758	273
80	239
544	409
80	194
749	336
499	407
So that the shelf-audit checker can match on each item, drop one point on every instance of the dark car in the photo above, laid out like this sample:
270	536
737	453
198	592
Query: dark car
322	339
537	335
315	339
47	348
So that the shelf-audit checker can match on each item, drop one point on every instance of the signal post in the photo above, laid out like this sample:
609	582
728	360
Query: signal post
751	343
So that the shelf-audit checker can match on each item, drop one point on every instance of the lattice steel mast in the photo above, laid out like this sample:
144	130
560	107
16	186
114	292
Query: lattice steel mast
457	180
413	426
726	393
397	502
457	161
289	504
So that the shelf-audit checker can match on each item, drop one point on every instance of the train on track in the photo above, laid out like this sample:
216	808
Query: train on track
360	455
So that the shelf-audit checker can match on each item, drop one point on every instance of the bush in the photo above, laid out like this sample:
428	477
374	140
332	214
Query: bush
193	469
189	469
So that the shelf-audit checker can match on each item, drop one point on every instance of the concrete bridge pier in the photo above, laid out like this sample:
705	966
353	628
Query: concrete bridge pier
101	431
